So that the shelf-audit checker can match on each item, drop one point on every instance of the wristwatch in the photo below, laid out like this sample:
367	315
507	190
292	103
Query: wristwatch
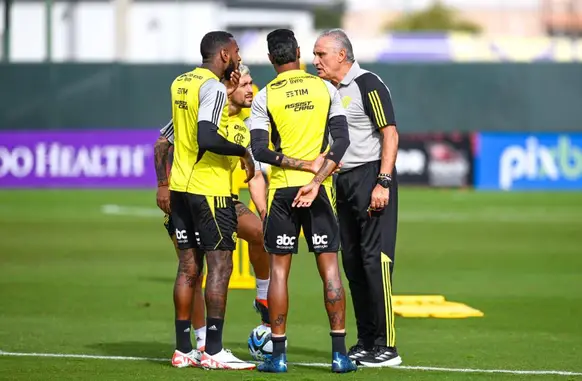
384	180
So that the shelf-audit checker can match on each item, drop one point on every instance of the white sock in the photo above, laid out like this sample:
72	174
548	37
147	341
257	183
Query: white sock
262	288
200	335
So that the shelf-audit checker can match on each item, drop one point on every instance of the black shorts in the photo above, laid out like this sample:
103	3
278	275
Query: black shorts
283	223
239	206
203	222
169	225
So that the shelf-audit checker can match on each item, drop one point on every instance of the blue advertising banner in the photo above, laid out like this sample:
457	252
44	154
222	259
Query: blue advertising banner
536	161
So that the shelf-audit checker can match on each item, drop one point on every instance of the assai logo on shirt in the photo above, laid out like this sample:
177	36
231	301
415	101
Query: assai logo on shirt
188	77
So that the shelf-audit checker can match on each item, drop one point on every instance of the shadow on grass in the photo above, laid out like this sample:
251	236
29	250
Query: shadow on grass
154	351
161	353
241	350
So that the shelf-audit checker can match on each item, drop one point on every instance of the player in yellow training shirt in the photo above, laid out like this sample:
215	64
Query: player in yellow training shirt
202	208
249	226
300	111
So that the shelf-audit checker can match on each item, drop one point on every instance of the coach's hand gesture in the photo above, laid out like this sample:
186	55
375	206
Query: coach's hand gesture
163	198
379	198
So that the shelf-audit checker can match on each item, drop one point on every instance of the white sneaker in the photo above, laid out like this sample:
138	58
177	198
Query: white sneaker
183	360
224	360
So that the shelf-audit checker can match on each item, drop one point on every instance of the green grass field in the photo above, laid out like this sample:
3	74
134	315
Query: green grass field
74	280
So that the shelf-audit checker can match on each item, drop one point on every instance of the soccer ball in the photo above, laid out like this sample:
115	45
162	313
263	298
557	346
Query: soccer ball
260	344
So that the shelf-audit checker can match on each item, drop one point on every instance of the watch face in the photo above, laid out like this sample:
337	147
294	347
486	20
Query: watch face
384	182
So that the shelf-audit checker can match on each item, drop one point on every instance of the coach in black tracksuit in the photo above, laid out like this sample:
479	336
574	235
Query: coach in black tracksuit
367	197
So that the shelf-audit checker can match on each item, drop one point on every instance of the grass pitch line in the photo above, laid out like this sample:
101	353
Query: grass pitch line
505	371
133	211
521	217
74	356
405	367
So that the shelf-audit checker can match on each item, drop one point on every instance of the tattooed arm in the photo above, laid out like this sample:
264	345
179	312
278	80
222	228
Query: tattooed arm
307	194
326	170
163	157
161	154
261	151
258	191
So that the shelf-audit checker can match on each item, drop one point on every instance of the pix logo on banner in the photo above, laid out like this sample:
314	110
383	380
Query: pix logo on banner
536	161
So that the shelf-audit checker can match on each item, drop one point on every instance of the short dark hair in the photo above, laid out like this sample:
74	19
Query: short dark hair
282	46
212	42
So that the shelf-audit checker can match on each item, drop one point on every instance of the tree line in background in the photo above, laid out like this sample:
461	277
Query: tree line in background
436	18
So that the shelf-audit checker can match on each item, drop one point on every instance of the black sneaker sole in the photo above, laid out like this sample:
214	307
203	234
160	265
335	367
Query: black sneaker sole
263	311
393	362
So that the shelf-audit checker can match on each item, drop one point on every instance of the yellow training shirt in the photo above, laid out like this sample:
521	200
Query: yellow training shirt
198	96
297	106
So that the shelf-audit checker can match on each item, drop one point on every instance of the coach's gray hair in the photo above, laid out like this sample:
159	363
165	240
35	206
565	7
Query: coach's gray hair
342	40
244	70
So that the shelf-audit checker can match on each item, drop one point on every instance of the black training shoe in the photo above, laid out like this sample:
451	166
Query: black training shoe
356	352
381	356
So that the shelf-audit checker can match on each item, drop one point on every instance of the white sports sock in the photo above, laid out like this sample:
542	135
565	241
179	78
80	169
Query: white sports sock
200	335
262	288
